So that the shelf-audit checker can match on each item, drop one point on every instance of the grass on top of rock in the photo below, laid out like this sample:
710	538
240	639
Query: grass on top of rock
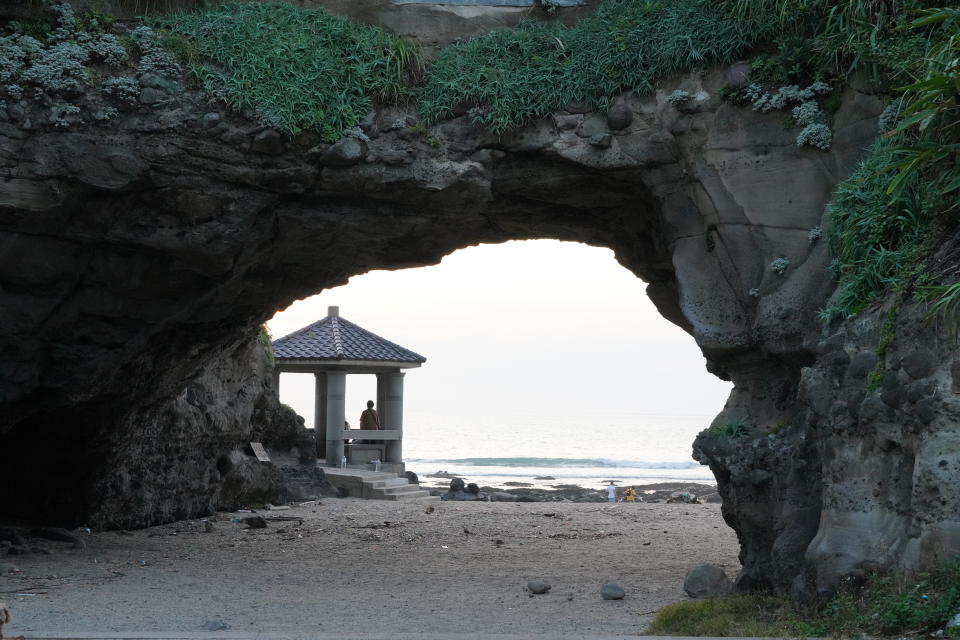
880	605
298	69
888	216
511	76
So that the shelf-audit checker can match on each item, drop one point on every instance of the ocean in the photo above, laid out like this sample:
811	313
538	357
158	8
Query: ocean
586	450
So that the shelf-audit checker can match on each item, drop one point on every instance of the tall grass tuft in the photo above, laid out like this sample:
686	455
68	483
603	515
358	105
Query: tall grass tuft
299	69
511	76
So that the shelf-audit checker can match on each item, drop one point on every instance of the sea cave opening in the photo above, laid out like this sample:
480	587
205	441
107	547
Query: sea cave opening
547	365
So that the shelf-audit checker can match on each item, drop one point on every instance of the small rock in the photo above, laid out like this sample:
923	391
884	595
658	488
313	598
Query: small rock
472	488
150	96
215	625
601	140
538	586
619	116
156	81
566	122
457	484
346	152
706	581
612	591
255	522
954	622
210	120
207	526
592	125
396	156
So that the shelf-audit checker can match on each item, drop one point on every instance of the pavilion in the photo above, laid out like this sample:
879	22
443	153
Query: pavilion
330	349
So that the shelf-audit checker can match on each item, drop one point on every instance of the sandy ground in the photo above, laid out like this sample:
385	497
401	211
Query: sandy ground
373	566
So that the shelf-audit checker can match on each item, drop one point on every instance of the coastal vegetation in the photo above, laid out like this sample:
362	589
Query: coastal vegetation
880	605
302	69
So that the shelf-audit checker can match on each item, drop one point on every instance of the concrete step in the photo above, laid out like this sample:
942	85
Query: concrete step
407	488
410	496
390	482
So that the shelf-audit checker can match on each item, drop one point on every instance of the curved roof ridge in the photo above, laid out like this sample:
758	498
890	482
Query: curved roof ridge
337	340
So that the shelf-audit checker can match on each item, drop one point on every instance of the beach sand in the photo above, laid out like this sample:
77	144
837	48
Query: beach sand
373	566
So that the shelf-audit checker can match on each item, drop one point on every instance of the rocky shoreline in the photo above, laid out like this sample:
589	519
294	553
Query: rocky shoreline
677	492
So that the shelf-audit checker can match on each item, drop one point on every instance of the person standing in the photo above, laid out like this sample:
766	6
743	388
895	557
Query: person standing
611	492
370	419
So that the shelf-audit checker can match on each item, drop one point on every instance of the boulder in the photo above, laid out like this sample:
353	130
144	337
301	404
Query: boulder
706	581
619	116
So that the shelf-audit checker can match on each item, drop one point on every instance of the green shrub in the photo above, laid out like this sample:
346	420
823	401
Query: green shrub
297	68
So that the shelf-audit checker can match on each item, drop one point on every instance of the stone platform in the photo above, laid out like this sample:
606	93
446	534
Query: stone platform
376	485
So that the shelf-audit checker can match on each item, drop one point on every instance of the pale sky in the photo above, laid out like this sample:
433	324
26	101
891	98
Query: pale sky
539	324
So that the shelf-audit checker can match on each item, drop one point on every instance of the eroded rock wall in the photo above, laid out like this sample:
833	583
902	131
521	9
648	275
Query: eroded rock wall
882	405
135	257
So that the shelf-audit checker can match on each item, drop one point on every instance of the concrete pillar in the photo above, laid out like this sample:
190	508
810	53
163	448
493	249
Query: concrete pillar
391	411
320	413
335	415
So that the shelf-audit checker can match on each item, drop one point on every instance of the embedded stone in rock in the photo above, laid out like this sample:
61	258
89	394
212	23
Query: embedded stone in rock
612	591
619	116
268	141
566	122
346	152
925	410
592	125
151	96
706	581
601	140
862	364
738	74
918	364
538	586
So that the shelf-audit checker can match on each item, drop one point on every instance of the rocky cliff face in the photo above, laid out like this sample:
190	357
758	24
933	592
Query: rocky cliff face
136	255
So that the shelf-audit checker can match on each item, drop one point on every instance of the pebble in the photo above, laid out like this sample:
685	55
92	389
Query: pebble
612	591
538	586
215	625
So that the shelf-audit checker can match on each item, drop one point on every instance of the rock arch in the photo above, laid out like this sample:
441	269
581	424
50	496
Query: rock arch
137	260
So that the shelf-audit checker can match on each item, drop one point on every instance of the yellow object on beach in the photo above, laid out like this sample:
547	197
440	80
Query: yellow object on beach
631	494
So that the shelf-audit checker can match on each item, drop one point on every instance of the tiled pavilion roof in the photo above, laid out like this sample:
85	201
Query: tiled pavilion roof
335	338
